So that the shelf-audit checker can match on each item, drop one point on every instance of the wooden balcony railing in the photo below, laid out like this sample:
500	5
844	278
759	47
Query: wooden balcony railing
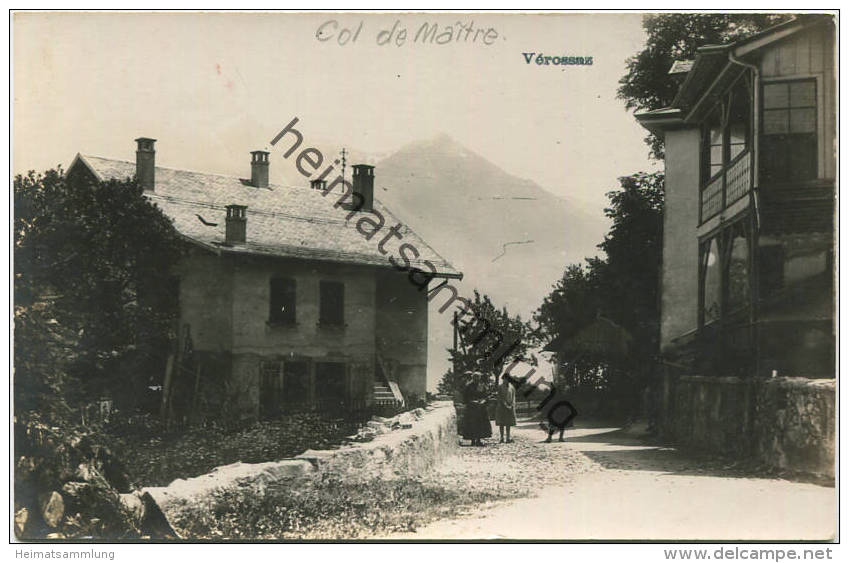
738	179
727	187
712	198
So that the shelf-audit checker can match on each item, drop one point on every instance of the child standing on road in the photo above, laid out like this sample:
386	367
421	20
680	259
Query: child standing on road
505	409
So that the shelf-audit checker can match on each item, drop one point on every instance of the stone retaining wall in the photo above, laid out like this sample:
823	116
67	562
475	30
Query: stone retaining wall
396	453
785	423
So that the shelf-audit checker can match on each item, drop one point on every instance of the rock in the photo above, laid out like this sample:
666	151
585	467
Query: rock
289	468
21	520
378	427
366	434
153	522
52	507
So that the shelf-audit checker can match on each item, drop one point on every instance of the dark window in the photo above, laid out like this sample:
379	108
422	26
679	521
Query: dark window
330	381
789	142
332	303
282	302
270	388
296	382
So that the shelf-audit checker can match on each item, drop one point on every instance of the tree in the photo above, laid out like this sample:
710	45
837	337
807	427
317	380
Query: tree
622	287
93	289
671	37
630	277
573	302
489	338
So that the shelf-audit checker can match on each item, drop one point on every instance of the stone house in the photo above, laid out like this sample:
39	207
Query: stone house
286	301
748	246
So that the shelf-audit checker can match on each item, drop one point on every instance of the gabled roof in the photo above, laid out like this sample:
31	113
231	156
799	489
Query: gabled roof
712	70
283	221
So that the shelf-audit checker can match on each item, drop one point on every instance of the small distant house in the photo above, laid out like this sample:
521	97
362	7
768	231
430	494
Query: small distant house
284	302
748	245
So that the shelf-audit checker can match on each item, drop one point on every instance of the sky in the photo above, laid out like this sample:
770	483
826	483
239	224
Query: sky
212	87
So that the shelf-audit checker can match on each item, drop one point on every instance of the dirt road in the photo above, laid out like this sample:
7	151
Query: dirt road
626	489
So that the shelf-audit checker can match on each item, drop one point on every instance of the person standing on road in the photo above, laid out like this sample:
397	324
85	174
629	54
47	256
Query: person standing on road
556	412
505	408
475	418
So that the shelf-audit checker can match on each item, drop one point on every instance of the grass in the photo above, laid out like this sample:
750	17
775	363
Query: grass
327	508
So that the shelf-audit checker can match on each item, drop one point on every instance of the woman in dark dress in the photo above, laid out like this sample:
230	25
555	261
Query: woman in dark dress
475	418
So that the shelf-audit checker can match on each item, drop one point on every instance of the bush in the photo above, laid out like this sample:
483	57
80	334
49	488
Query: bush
156	456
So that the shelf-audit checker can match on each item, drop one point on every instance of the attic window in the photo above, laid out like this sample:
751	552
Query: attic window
282	301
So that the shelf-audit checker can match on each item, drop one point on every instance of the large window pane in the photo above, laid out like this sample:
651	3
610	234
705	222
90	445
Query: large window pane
737	139
716	137
776	95
716	156
738	270
712	273
737	134
803	94
803	120
776	121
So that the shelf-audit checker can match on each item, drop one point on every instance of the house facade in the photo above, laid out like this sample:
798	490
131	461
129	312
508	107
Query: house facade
747	337
748	250
289	299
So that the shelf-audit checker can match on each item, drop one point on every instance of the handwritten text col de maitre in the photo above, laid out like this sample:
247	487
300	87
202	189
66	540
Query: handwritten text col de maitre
400	33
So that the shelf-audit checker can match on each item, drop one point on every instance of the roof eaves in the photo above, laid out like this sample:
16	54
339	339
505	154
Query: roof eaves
660	119
703	55
313	254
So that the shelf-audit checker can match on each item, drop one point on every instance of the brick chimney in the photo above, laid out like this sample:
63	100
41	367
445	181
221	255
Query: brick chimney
364	186
237	224
259	169
145	163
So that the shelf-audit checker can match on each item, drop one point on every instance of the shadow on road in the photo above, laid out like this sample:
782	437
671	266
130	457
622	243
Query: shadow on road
633	449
